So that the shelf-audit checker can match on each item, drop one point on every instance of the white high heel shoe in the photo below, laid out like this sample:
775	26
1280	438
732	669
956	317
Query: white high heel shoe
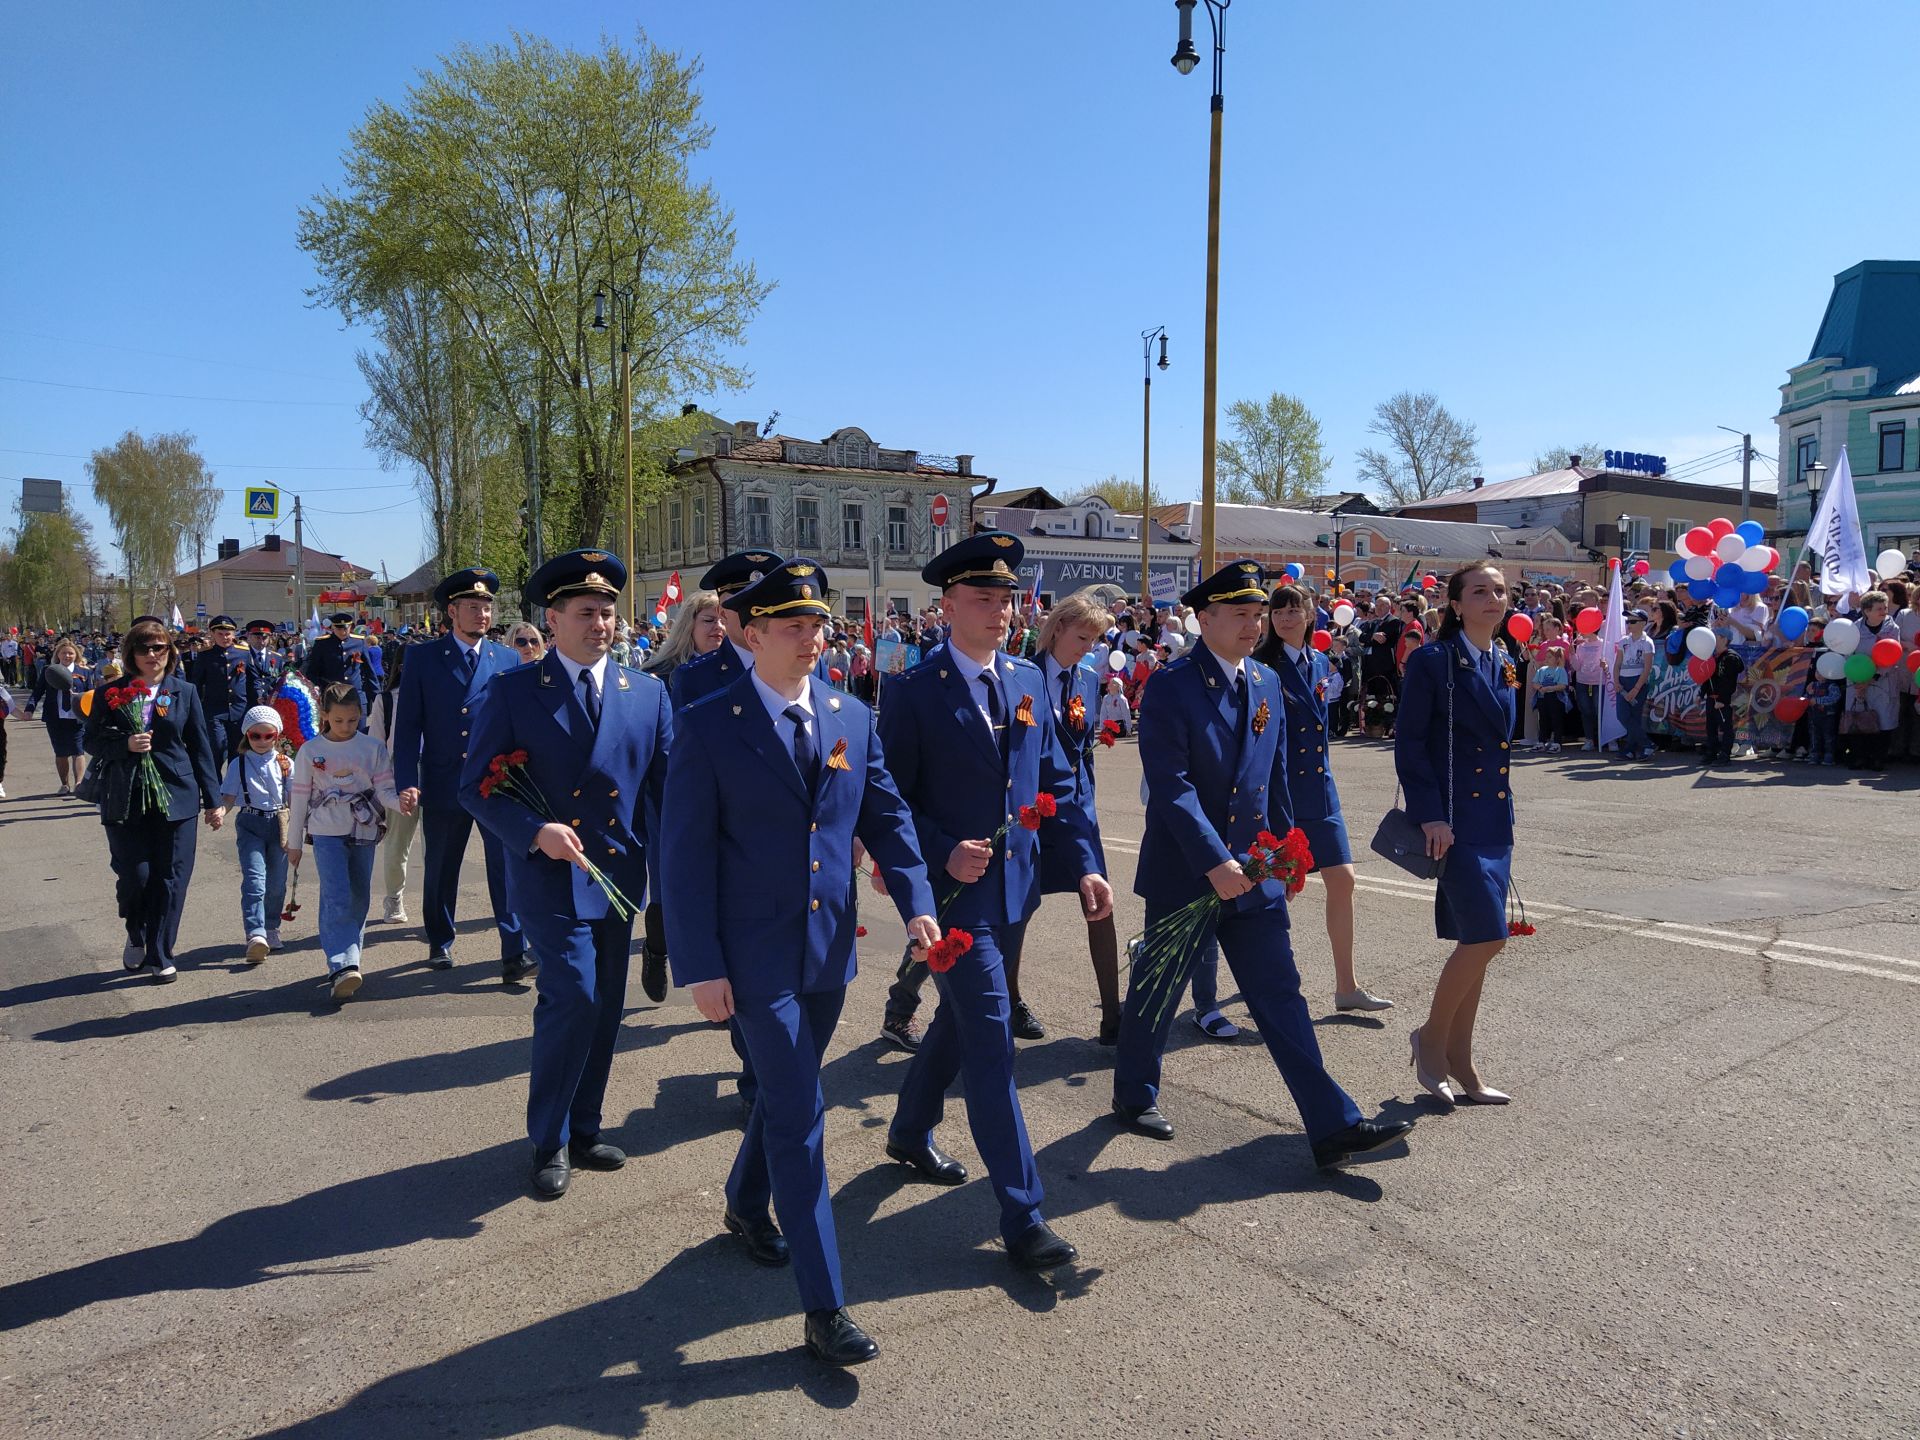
1434	1085
1485	1096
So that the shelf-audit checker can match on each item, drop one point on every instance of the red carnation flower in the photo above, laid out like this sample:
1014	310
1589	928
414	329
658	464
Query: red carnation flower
1109	733
1045	804
947	950
860	932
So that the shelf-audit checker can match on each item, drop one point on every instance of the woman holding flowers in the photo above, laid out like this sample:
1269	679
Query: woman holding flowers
1453	755
150	736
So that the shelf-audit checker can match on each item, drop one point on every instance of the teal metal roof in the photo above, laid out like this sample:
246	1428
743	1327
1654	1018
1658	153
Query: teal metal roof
1873	319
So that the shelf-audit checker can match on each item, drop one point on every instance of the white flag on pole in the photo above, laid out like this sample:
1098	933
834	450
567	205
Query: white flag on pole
1613	630
1835	537
178	623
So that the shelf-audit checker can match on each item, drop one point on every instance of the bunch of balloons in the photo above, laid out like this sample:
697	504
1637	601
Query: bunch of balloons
1699	643
1843	659
1294	570
1721	561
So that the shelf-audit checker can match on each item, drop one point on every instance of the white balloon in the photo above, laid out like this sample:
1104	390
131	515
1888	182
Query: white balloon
1175	644
1193	624
1699	567
1755	558
1343	614
1117	660
1682	546
1830	666
1891	562
1843	636
1730	548
1700	642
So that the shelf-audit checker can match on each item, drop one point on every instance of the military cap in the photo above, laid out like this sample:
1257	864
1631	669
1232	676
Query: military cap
793	587
1233	584
222	622
473	583
578	572
989	559
262	626
343	617
738	570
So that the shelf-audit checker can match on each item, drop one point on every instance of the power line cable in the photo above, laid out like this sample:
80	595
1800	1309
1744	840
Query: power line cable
168	395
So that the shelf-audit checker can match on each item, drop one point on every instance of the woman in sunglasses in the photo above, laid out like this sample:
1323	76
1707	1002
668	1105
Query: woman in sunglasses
528	646
148	808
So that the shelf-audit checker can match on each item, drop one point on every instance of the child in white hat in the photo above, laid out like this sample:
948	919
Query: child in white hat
257	785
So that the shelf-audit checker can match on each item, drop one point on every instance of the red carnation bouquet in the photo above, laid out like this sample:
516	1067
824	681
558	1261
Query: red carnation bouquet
147	792
1517	922
507	775
1109	735
1170	943
1028	817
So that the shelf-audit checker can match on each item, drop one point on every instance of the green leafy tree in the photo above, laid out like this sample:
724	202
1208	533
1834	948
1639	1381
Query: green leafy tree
1428	453
1123	495
1274	456
512	184
158	495
46	568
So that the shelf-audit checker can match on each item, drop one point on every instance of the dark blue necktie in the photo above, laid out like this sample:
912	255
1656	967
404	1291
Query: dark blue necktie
996	711
806	759
1240	699
590	698
470	662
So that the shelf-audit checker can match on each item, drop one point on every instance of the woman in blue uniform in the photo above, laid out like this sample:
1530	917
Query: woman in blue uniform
1065	638
1452	754
1304	678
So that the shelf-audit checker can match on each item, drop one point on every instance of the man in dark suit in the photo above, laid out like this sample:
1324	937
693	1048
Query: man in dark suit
227	688
595	736
968	739
773	783
440	687
342	655
1211	727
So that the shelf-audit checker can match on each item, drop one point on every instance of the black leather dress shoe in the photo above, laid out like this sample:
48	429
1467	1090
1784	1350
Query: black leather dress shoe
551	1174
1024	1024
1040	1249
653	975
1144	1120
438	959
930	1160
1110	1032
833	1339
1337	1148
764	1242
590	1152
518	970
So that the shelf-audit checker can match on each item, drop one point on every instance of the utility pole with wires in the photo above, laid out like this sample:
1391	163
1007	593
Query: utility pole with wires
1746	470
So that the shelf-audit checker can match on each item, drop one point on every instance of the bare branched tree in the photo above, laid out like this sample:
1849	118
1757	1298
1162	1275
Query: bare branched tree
1429	452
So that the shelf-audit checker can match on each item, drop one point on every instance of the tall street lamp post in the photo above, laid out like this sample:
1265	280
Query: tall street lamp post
1185	59
624	359
1147	337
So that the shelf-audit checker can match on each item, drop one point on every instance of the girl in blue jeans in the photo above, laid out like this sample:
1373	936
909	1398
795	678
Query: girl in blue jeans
257	783
342	791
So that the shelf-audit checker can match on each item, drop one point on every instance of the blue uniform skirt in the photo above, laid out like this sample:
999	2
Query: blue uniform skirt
1328	840
65	735
1470	905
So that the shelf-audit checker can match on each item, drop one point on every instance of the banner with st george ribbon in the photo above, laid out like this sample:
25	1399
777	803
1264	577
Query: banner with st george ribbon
1674	706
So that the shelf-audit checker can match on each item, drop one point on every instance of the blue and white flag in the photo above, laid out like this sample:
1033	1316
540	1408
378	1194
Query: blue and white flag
1835	537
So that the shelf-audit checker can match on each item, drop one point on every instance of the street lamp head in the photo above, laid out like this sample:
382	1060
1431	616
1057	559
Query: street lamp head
1816	476
1185	57
599	309
1163	352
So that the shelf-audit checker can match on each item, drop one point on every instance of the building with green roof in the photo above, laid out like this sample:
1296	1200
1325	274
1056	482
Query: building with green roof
1860	387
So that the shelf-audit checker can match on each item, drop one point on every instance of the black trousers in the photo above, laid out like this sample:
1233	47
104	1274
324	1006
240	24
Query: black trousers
152	863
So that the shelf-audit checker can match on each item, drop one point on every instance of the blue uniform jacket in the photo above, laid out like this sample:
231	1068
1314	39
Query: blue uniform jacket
757	879
607	783
182	750
433	715
1482	792
230	681
1310	787
951	774
331	659
1210	791
701	675
1059	872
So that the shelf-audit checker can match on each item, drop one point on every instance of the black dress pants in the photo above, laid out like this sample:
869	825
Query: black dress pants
152	863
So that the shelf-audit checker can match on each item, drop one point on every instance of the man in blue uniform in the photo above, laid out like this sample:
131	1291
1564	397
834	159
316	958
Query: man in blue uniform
263	661
772	782
967	738
440	688
1211	726
226	687
701	675
595	736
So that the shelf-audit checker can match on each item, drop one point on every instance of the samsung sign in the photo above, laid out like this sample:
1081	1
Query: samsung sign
1639	464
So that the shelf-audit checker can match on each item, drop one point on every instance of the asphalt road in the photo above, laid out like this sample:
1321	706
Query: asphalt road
232	1211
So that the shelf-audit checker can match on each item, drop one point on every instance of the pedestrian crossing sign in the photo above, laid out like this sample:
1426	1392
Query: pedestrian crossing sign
263	502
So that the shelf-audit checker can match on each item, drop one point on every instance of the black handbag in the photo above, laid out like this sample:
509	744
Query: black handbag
1401	839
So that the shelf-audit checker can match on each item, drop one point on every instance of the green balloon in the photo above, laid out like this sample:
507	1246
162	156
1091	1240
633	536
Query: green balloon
1859	667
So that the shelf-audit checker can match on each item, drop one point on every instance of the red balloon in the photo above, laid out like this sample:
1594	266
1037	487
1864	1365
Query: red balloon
1587	622
1886	653
1520	627
1700	670
1789	708
835	674
1721	527
1427	582
1322	640
1913	661
1701	540
1640	567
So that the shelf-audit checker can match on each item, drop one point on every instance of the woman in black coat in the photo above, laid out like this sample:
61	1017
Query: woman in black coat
149	812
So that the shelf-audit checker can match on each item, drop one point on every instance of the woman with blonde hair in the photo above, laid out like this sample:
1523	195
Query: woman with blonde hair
529	645
696	630
61	699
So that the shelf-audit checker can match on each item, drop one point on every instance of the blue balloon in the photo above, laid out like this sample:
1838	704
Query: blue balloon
1726	597
1792	623
1677	641
1295	570
1729	576
1678	570
1755	582
1751	531
1702	589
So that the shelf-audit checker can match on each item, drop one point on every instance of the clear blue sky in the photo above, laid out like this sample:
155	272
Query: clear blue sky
1613	222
